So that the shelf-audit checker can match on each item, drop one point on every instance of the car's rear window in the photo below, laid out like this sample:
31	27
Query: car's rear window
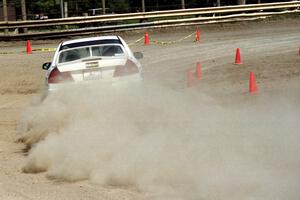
74	54
108	50
90	43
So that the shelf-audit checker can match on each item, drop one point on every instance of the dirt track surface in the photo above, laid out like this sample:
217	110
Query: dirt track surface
270	49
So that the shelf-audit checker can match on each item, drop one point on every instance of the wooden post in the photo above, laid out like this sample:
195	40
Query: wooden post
66	13
24	15
62	8
182	4
241	2
103	7
218	3
5	18
65	9
143	6
76	8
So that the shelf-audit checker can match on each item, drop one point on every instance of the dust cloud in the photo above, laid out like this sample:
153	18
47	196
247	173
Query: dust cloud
167	144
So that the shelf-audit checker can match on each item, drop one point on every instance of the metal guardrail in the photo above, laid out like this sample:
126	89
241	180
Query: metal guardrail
124	21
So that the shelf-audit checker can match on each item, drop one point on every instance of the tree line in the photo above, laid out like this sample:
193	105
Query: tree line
52	8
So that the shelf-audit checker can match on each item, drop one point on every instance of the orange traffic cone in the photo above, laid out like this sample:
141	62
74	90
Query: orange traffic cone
197	34
28	47
146	42
190	78
198	70
252	83
238	60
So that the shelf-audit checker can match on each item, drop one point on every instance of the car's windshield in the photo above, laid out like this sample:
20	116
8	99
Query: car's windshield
93	51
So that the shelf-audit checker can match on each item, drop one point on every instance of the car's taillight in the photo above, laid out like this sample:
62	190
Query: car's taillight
128	69
56	76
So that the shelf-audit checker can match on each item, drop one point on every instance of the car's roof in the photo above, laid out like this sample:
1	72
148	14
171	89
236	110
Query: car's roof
91	41
113	37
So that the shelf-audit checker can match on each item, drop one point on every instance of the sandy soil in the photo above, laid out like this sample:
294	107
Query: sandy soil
270	49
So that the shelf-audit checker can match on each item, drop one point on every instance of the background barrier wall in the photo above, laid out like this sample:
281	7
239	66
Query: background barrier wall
119	22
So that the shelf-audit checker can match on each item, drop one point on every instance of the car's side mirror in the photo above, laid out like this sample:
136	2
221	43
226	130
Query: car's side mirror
47	65
138	55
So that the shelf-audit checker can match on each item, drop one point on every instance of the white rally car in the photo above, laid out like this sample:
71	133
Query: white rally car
104	58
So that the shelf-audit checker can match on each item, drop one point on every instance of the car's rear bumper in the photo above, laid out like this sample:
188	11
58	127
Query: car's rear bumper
114	82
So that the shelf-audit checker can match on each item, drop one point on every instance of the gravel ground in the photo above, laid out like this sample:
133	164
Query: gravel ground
269	48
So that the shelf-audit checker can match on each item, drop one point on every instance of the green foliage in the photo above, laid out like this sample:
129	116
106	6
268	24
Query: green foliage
43	5
78	7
